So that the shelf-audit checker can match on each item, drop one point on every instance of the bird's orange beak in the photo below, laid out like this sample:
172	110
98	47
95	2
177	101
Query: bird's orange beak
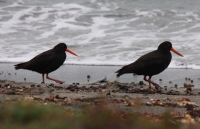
67	50
172	49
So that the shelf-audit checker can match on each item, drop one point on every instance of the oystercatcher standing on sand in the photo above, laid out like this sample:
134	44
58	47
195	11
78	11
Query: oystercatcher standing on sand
47	61
151	63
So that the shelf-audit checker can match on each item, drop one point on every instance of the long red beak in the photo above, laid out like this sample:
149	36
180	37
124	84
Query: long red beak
172	49
71	52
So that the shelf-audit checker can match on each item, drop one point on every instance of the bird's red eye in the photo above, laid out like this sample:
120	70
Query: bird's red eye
168	45
63	46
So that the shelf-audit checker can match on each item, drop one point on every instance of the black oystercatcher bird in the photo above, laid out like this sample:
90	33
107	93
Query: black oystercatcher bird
151	63
47	61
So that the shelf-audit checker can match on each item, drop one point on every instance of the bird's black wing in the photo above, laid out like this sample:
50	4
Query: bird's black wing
40	62
149	64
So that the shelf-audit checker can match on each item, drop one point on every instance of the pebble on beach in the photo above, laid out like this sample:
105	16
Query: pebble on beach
88	78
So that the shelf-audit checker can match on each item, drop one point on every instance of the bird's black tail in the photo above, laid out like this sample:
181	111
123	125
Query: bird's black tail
119	72
19	66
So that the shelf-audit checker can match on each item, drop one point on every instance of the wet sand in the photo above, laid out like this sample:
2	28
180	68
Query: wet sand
78	74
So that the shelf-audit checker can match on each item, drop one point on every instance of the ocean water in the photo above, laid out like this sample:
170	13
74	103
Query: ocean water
101	32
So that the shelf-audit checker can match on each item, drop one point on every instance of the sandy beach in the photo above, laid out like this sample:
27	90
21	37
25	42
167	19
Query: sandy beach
105	35
124	92
115	93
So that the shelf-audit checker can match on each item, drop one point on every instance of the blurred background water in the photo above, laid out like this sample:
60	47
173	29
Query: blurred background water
101	32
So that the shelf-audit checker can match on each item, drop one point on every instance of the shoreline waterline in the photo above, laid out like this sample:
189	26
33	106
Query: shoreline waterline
78	74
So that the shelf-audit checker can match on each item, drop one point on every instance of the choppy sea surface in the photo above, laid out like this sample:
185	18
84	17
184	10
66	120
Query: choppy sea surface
101	32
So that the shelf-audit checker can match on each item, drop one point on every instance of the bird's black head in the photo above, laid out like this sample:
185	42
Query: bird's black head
166	47
61	47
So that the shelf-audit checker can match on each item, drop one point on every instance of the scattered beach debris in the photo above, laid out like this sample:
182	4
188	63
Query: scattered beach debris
171	102
108	94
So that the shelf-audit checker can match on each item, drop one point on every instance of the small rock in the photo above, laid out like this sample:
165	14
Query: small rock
187	85
188	90
67	100
88	78
141	83
51	84
108	93
148	103
131	103
188	117
32	85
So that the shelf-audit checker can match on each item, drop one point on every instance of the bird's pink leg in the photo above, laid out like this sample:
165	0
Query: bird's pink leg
58	81
42	79
155	84
149	81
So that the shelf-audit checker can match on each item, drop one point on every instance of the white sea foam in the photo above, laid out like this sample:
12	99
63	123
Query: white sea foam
100	32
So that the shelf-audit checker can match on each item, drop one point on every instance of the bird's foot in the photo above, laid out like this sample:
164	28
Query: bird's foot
60	82
157	86
42	83
151	89
57	81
